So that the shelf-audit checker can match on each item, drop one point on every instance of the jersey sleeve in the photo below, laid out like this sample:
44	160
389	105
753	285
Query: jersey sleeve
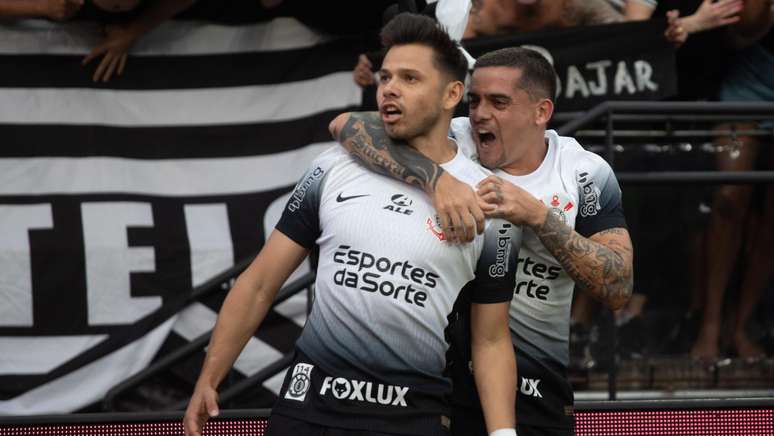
300	220
600	207
496	269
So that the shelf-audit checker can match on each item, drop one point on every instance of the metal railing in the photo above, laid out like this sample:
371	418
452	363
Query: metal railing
581	407
221	282
669	112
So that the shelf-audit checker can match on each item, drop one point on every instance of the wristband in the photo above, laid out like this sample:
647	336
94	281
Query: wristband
504	432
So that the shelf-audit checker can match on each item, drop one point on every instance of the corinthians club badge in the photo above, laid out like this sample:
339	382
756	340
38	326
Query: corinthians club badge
300	382
558	206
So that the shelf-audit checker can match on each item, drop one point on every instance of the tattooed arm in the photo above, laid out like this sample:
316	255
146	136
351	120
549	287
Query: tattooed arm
363	135
600	265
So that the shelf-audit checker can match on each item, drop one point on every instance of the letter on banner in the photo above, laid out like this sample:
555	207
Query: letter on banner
209	236
15	264
110	260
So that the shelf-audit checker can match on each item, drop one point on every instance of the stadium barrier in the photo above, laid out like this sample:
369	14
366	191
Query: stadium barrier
719	417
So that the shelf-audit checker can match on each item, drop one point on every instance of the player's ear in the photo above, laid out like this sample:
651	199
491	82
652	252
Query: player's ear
543	111
453	94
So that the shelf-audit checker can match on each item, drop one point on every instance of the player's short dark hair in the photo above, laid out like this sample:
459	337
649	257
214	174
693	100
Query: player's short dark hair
538	77
408	28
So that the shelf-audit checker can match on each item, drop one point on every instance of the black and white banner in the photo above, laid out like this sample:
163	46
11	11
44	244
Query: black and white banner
626	61
117	199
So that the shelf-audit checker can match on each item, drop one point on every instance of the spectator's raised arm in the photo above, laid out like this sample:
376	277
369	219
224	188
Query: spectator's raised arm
711	14
120	38
363	73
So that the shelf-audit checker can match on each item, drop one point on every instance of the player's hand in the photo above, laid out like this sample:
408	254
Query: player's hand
363	73
118	41
458	209
61	10
502	199
203	406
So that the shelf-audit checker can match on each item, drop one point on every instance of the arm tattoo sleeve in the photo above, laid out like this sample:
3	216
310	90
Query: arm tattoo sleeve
603	271
364	136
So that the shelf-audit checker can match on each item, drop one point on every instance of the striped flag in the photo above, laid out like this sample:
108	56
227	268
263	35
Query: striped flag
117	199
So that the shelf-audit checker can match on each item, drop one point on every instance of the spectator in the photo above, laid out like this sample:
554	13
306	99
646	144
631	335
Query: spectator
493	17
750	78
119	38
709	15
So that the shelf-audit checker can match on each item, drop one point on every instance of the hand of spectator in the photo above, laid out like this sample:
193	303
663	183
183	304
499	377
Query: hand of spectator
675	32
118	41
713	14
61	10
458	209
362	74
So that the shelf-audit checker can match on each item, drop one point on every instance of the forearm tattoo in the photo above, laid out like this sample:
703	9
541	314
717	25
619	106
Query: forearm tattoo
605	272
364	136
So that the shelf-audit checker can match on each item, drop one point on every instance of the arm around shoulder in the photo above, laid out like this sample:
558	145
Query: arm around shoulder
362	134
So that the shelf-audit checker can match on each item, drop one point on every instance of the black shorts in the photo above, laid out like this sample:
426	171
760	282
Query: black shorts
544	398
470	422
358	402
280	425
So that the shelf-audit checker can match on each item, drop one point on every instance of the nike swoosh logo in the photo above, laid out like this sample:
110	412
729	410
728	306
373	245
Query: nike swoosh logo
340	199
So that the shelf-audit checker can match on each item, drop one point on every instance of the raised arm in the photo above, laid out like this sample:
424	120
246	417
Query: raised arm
245	307
712	14
363	135
120	38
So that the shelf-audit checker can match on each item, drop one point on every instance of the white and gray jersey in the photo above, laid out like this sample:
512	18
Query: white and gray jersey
386	279
581	187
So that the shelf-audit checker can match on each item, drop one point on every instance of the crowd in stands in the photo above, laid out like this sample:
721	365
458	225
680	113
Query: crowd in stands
124	22
732	59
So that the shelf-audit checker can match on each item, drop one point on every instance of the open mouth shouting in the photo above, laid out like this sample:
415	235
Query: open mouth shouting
485	137
391	113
